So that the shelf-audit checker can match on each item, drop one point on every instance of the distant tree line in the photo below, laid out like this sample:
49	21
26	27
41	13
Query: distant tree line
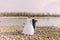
28	14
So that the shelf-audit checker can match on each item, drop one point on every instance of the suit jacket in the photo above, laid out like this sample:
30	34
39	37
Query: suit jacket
34	21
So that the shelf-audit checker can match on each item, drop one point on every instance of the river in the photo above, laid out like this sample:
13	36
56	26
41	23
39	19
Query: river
41	21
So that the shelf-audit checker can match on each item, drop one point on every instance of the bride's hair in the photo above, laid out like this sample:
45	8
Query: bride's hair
29	17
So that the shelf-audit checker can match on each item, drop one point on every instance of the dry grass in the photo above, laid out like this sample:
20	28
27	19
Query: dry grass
41	33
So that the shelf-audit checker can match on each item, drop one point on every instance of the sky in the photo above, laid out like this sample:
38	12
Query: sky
52	6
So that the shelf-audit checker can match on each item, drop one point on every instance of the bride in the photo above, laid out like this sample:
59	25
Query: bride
28	28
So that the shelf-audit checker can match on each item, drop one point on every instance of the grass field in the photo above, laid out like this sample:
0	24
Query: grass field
41	33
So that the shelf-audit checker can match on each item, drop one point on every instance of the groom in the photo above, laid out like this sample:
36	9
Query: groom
34	22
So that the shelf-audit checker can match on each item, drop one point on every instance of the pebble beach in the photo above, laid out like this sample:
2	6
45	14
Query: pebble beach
41	33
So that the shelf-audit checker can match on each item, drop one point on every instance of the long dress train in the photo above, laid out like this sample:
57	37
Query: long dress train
28	28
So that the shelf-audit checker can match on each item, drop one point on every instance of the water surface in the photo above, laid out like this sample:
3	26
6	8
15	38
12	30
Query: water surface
41	21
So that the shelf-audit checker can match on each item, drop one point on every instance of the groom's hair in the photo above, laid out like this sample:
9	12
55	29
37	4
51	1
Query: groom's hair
33	16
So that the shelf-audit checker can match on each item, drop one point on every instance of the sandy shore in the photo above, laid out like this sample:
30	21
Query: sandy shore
41	33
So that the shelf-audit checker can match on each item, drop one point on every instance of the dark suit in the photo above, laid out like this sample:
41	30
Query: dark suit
33	23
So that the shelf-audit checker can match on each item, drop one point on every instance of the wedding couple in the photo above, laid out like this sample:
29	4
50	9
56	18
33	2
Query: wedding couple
29	26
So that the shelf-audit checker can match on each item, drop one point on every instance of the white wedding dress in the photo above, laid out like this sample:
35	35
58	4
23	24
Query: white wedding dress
28	28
